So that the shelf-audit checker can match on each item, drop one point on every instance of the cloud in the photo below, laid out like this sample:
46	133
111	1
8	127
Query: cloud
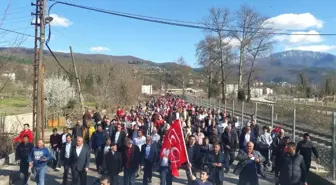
300	38
60	21
233	42
62	51
320	48
99	49
294	21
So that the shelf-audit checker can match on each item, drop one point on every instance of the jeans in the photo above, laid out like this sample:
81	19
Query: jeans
129	176
55	159
166	177
40	175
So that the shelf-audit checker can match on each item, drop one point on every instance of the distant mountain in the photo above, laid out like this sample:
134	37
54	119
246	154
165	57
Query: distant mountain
285	66
278	67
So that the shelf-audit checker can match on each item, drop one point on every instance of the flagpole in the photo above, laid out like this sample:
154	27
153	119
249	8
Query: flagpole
185	147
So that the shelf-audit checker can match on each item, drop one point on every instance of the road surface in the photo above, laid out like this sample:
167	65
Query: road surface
55	177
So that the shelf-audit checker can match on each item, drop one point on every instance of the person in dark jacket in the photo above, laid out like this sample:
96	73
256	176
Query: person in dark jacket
96	117
119	137
77	130
66	150
22	152
194	155
293	171
149	153
230	144
108	128
247	167
217	163
79	162
55	141
203	180
131	160
113	164
306	148
98	143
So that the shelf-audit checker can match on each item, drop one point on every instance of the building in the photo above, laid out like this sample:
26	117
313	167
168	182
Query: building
147	89
10	76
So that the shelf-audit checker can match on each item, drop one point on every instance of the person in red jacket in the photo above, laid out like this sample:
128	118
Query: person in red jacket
26	131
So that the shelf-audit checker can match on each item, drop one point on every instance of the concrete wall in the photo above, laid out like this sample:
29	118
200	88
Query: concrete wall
14	123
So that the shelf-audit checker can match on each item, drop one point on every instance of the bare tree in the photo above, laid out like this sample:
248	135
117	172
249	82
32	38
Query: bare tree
249	24
184	70
260	47
217	22
6	74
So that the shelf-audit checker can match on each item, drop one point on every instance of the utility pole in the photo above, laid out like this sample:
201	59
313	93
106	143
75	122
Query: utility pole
77	80
38	61
35	65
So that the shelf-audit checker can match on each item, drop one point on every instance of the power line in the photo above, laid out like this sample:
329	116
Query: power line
177	23
12	31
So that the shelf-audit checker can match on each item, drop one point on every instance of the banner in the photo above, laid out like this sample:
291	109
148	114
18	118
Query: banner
174	147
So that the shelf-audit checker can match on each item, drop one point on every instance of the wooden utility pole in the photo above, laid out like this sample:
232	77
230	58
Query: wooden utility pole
42	101
38	61
81	99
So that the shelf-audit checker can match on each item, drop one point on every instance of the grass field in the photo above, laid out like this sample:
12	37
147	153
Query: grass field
17	105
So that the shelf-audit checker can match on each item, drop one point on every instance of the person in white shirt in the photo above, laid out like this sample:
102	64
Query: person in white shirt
140	139
155	136
65	156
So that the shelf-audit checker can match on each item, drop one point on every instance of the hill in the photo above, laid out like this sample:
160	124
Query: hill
278	67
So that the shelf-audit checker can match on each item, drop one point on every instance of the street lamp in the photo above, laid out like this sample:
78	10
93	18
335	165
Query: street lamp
48	19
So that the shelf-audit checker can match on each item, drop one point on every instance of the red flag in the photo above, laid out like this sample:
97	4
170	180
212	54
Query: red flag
174	147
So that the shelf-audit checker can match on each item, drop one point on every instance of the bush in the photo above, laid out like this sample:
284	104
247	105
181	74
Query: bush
6	147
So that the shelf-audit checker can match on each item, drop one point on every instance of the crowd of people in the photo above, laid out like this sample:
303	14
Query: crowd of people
131	142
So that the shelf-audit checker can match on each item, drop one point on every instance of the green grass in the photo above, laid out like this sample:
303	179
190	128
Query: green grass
12	106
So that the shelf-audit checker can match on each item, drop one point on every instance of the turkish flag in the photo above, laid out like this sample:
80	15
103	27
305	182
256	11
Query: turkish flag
174	147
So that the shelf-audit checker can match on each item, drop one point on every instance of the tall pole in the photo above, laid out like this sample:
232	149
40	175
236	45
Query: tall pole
272	116
41	5
256	111
233	108
35	66
81	99
333	145
242	114
42	100
294	120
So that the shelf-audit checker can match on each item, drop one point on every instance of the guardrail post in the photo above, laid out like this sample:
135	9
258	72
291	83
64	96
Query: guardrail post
333	146
242	114
272	117
256	111
233	108
225	104
294	120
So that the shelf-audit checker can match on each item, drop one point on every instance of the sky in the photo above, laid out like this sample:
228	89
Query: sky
93	32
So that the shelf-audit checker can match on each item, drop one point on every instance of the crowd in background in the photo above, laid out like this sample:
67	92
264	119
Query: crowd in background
131	142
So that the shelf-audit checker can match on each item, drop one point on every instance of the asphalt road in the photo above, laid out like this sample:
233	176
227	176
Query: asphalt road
55	178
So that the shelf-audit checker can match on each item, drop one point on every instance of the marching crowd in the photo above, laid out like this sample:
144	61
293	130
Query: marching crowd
133	141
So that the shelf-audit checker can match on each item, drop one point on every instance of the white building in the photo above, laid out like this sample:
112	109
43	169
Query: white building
146	89
11	76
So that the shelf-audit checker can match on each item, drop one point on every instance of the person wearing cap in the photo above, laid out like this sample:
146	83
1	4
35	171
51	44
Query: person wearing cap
113	164
306	148
24	132
131	160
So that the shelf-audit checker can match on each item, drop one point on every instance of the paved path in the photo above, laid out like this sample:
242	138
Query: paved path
55	177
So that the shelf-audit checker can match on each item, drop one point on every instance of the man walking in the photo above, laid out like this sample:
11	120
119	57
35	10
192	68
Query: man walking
55	141
113	164
306	148
66	150
131	160
149	153
98	142
38	159
22	152
80	160
293	171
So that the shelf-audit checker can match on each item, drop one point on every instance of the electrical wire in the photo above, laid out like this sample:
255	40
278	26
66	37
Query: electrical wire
12	31
179	23
51	52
